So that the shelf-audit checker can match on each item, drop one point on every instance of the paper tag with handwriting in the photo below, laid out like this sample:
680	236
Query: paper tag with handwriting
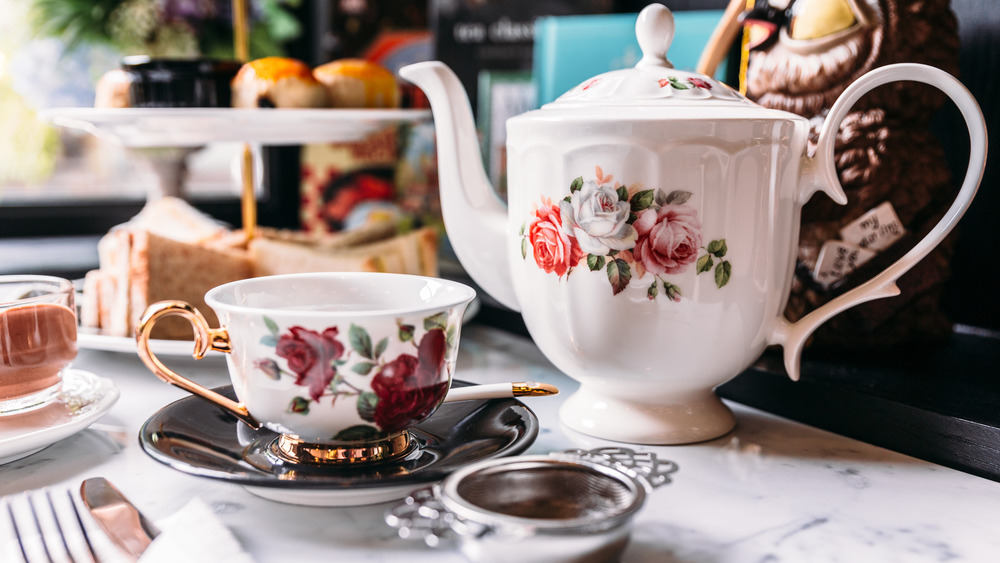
837	259
875	230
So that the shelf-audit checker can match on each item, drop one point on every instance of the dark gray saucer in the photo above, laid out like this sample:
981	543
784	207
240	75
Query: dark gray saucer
196	437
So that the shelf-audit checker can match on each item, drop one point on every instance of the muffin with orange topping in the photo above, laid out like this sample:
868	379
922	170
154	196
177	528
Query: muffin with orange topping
278	82
357	83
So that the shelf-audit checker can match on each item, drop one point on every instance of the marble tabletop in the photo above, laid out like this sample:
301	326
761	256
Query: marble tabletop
771	490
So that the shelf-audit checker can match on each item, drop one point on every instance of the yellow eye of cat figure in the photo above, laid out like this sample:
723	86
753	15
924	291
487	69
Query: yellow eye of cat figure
812	19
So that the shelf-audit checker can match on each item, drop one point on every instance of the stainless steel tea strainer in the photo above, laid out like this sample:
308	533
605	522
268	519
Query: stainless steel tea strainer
573	505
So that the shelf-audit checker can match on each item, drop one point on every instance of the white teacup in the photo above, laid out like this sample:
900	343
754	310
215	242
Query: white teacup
340	364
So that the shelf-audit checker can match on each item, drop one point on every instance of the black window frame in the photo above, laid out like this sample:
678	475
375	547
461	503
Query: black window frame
278	207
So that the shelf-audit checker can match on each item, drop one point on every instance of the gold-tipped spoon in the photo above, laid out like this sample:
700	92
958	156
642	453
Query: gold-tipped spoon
501	391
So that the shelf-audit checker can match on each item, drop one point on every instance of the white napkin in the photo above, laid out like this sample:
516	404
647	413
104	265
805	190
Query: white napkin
194	534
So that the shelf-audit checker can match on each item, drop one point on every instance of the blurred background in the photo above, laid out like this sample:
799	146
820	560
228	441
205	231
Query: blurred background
512	55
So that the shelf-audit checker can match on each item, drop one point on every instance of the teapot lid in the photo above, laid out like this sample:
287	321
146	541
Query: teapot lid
654	81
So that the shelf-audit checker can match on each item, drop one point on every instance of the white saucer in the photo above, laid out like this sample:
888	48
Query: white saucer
89	340
84	398
311	497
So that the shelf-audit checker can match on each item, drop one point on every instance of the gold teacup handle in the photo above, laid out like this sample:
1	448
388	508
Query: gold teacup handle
205	339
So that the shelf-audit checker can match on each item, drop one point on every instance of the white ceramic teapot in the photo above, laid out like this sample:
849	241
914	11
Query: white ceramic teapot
651	230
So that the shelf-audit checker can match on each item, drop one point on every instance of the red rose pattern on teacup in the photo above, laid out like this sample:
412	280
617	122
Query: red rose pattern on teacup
390	392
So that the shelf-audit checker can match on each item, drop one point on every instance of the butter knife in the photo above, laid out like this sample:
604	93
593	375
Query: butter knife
121	520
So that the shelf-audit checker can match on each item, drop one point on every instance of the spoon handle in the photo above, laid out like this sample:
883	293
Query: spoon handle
501	391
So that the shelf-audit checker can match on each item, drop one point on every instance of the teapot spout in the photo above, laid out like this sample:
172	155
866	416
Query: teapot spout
474	216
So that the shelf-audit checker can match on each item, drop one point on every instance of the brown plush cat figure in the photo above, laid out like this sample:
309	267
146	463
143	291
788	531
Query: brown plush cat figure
803	54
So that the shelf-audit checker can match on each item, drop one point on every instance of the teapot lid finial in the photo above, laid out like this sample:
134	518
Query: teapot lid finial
654	82
654	29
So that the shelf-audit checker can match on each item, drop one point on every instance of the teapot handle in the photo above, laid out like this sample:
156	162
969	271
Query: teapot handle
792	336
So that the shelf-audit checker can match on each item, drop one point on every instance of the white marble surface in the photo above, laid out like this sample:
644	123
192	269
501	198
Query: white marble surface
772	490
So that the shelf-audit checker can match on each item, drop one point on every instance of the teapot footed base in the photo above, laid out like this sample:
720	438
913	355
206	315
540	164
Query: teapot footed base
692	418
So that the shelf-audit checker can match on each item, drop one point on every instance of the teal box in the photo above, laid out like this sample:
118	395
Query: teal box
571	49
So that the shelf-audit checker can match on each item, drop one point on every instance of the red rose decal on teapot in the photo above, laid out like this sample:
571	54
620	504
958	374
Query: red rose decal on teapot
629	232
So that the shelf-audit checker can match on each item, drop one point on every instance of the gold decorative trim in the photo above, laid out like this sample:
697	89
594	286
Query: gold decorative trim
533	389
295	450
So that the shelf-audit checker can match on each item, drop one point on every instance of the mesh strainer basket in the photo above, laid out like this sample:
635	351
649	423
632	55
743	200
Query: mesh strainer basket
568	506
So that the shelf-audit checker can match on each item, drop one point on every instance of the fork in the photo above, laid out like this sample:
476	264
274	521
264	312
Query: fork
47	533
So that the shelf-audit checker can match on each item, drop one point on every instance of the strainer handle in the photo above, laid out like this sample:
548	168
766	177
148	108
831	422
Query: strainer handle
645	467
422	515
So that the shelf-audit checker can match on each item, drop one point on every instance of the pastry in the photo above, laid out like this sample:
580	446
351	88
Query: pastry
357	83
277	82
112	90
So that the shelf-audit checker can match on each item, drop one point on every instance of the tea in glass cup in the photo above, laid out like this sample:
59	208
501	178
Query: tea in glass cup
37	339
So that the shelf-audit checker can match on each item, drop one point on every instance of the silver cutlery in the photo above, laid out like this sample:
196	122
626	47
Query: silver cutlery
48	529
120	519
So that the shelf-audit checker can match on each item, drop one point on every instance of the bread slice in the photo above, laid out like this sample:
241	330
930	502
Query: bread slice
162	268
90	301
111	283
411	253
367	233
171	251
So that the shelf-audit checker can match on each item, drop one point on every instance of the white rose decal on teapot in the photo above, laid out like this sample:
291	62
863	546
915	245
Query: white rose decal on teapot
627	231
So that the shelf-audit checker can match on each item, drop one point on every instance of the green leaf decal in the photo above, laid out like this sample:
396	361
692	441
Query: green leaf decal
619	275
576	185
722	273
718	248
360	341
359	433
269	340
439	320
299	405
269	368
653	291
704	263
524	249
642	200
366	405
568	199
678	197
676	83
595	262
521	232
362	368
381	346
622	193
406	333
450	336
271	326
